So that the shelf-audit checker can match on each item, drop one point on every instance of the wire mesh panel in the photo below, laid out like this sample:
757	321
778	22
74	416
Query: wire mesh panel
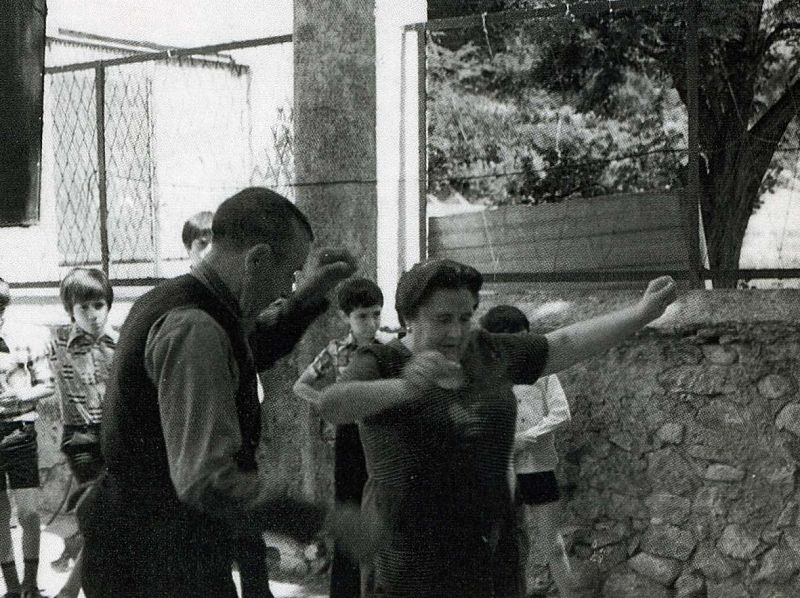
181	134
74	125
129	166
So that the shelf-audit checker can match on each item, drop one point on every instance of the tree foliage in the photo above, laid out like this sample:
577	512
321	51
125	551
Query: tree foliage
558	101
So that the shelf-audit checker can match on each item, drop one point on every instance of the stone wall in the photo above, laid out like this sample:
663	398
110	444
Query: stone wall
678	468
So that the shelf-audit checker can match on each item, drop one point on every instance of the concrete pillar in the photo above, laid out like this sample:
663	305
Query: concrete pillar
335	162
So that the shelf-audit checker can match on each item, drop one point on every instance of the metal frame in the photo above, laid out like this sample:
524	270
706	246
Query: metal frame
691	199
99	67
696	273
102	182
515	15
172	53
633	275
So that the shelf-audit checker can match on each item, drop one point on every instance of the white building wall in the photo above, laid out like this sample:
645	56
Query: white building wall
397	143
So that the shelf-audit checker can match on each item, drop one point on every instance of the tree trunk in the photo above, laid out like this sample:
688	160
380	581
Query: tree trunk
733	181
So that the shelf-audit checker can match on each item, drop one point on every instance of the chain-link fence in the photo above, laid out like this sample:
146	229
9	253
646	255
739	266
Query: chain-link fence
560	143
140	143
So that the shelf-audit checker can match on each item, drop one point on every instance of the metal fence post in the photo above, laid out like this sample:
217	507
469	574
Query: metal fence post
692	196
100	107
422	62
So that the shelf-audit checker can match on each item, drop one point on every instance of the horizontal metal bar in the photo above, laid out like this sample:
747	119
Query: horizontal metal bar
517	15
634	275
570	276
583	276
115	282
174	53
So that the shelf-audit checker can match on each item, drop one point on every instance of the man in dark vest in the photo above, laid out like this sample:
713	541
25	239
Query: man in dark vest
182	419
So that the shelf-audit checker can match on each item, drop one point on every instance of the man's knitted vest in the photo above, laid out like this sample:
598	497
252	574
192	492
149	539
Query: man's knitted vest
133	438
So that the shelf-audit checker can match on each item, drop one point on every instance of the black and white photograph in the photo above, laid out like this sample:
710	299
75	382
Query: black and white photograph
400	299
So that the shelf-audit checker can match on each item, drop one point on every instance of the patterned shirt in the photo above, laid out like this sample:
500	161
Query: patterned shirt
23	364
81	365
334	358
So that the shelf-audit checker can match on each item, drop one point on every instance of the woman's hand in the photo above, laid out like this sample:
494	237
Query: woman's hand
432	369
659	294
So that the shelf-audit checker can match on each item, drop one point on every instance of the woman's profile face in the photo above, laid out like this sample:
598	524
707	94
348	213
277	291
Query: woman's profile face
442	323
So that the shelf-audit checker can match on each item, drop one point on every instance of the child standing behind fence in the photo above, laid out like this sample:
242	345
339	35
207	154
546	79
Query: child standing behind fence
24	380
360	304
541	408
80	355
196	236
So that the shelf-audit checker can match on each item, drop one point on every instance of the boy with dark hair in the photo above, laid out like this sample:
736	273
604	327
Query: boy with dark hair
80	356
541	408
24	379
196	235
360	302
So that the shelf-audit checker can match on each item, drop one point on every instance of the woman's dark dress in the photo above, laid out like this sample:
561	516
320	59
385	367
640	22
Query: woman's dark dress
439	468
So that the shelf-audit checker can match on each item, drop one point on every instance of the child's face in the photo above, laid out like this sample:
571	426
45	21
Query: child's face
91	316
364	322
199	248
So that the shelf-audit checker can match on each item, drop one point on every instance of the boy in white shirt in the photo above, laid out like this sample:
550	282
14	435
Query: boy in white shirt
541	408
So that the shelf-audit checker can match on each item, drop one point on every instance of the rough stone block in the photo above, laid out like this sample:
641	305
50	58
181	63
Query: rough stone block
778	566
789	419
633	585
587	506
720	354
689	586
775	386
624	506
587	574
609	557
781	476
726	589
719	415
709	453
712	563
792	537
698	379
623	440
723	473
664	571
668	508
668	541
611	535
738	543
670	433
670	472
709	502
